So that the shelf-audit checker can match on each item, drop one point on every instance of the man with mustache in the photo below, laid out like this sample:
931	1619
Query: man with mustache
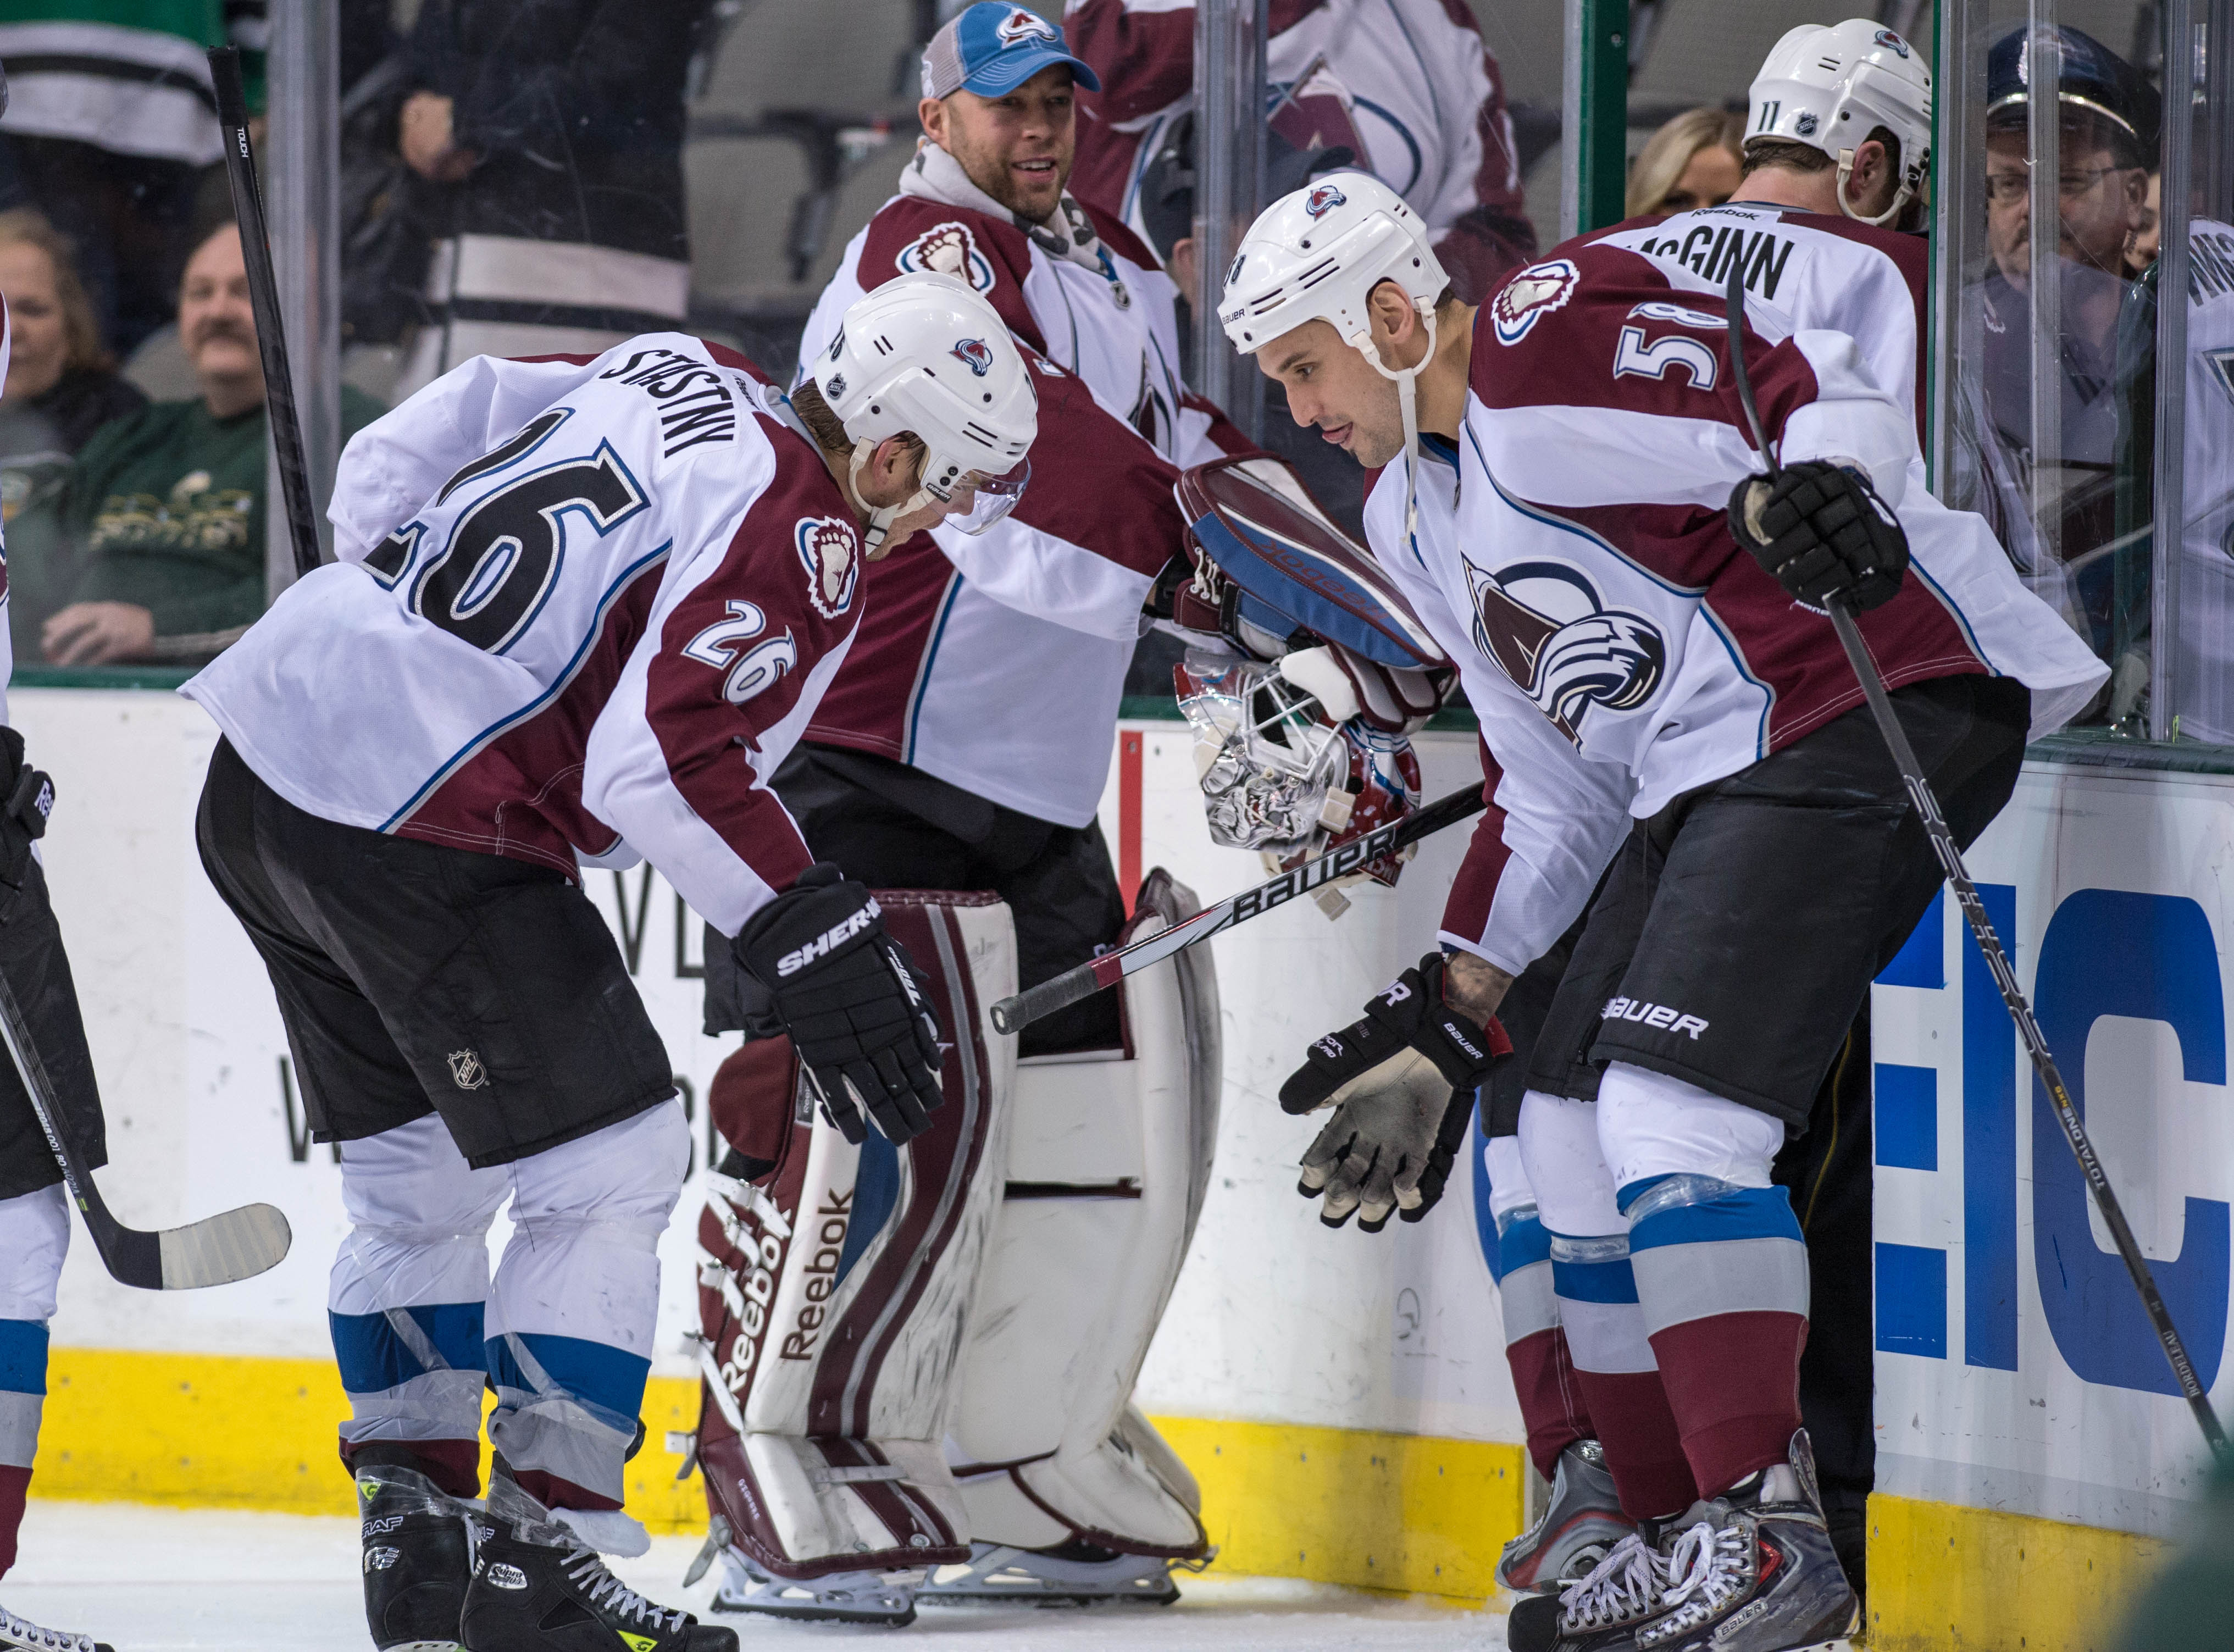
167	506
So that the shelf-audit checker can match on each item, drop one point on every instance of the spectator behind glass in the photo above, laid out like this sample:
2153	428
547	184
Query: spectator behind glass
1696	160
110	127
2142	246
59	391
1407	86
555	131
165	507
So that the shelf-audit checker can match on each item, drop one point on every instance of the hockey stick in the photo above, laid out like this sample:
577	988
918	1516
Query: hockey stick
264	299
1014	1014
1982	931
239	1245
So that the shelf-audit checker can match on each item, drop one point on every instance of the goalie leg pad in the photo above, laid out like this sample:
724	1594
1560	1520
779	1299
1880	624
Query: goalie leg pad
1106	1170
835	1284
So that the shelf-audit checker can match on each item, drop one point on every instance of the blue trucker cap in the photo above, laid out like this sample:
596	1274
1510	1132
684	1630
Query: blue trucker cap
992	49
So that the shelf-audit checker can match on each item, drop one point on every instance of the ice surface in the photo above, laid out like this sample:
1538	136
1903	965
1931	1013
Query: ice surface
186	1580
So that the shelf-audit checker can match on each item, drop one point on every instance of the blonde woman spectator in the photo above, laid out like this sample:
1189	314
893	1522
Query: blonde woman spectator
57	366
1697	160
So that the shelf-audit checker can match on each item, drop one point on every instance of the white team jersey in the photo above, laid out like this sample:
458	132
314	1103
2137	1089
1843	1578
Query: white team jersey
1003	676
1589	574
583	608
1803	270
2205	665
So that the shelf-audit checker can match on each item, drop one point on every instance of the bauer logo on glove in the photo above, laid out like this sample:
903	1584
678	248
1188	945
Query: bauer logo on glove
1820	531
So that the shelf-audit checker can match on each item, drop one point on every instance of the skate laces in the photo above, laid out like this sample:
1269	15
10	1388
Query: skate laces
1625	1584
608	1593
1706	1569
25	1633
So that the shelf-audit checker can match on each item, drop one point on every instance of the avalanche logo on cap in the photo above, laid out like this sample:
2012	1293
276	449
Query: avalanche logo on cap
1535	292
1323	199
1019	26
832	555
947	249
973	355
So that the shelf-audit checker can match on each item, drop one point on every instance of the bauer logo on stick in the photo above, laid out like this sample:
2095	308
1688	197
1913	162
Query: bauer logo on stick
832	554
1530	296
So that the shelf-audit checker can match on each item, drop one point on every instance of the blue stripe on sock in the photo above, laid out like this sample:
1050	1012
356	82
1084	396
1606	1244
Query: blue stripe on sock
1742	1213
373	1357
606	1376
23	1357
1522	1242
1593	1281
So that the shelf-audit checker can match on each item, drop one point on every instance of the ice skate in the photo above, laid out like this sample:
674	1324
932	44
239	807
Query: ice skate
1580	1523
416	1559
1755	1571
17	1634
537	1588
886	1597
1604	1612
1076	1574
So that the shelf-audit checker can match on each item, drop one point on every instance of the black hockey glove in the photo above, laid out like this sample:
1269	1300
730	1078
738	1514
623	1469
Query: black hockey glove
27	798
819	968
1401	1081
1821	531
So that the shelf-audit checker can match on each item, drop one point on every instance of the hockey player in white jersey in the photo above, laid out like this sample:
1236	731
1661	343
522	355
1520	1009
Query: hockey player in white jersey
35	1207
583	608
964	746
1560	464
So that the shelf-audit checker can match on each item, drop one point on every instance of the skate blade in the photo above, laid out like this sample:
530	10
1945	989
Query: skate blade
817	1614
426	1646
1048	1599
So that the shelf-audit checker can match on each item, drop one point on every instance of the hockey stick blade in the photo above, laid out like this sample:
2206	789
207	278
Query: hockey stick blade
239	1245
263	301
1072	986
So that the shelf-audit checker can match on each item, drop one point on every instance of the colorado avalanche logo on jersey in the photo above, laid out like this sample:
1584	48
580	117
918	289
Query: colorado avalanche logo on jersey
948	249
1530	295
831	552
1019	26
973	355
1323	199
1546	625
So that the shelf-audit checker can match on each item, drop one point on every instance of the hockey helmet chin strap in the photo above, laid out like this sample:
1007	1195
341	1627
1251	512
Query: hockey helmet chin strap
1900	200
881	516
1407	399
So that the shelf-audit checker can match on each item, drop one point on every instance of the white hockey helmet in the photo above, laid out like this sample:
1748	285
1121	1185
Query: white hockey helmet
926	355
1829	87
1314	255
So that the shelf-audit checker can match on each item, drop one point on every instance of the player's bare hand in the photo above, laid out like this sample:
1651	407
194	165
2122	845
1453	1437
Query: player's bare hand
427	141
1473	986
97	633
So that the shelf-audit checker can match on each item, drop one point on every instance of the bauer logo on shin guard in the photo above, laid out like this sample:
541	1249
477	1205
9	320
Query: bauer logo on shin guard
1651	1014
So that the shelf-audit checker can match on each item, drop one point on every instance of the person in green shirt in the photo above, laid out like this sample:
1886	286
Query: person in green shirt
165	513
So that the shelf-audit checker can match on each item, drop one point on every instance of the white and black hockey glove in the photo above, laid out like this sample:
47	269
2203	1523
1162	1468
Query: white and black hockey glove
820	969
27	798
1821	531
1401	1083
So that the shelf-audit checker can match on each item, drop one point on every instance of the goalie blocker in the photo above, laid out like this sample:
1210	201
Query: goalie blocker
985	1292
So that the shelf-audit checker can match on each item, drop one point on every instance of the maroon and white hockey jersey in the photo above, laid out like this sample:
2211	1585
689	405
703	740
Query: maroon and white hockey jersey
583	607
1573	556
1405	85
996	662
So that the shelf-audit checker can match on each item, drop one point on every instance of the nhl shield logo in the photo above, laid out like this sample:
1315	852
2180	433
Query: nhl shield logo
1019	26
1806	123
466	1069
973	355
1322	200
1532	294
948	249
838	387
832	555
